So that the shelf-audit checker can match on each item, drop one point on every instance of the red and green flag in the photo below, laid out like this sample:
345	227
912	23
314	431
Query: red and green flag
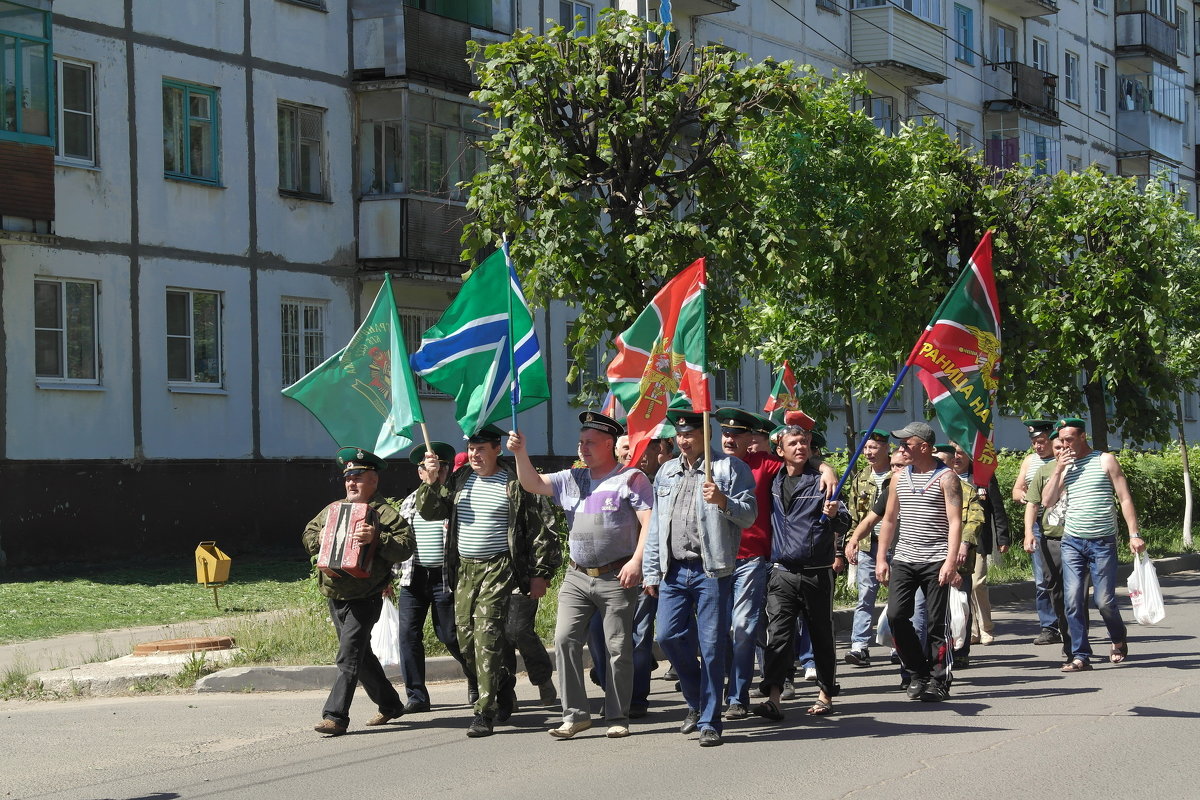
784	396
663	355
959	357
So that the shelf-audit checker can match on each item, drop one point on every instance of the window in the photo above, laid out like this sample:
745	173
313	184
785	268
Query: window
1040	54
1071	77
421	145
930	10
301	165
74	88
1189	405
1100	88
964	134
476	12
314	3
590	370
881	109
190	128
64	330
26	74
1181	32
1099	5
302	332
413	323
964	43
568	11
1074	164
193	337
727	385
1004	42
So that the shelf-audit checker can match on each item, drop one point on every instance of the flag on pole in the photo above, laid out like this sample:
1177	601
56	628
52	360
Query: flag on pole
468	354
364	395
959	358
783	396
662	355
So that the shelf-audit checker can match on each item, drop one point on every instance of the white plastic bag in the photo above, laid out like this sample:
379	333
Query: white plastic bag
883	631
852	577
960	615
1145	592
385	636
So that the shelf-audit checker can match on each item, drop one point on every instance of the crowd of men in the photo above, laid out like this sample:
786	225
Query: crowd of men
723	558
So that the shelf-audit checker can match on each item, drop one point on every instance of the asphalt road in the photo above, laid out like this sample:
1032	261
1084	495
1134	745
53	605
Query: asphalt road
1014	727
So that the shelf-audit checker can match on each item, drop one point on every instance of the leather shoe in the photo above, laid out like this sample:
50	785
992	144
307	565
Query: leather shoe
416	706
547	695
384	719
480	726
329	728
736	711
637	712
569	729
710	738
690	722
472	696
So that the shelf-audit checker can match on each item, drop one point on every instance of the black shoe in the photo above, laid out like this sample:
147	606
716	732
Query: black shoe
936	692
689	722
679	686
736	711
788	692
858	658
472	695
416	706
480	726
1048	636
594	677
904	684
916	688
710	738
670	674
547	695
759	691
637	712
962	662
506	704
895	657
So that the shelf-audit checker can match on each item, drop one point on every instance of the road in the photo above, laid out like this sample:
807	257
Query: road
1014	727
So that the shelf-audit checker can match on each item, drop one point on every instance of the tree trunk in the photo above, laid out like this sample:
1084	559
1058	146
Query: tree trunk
1187	477
848	404
1094	392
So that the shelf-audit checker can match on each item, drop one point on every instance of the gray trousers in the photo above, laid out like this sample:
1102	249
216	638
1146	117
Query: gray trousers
579	598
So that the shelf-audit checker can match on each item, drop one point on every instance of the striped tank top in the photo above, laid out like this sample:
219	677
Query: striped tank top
431	545
1034	465
483	516
924	532
1091	513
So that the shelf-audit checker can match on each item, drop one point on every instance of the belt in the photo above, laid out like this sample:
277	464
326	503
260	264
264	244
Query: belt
603	569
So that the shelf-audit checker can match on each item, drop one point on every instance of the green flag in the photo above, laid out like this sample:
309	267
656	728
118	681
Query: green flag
469	353
364	394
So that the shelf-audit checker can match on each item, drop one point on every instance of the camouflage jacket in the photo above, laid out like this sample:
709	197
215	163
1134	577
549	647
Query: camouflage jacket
972	521
862	493
396	544
532	542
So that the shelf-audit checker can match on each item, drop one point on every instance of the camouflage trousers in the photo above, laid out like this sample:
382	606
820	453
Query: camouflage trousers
480	612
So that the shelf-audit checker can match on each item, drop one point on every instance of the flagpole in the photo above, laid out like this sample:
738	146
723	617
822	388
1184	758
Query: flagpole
512	358
707	450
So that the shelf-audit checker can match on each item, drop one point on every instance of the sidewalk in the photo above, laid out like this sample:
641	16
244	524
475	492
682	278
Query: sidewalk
101	661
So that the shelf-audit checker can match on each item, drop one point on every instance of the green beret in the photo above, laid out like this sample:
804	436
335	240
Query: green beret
878	434
359	458
1070	422
944	448
444	452
1038	426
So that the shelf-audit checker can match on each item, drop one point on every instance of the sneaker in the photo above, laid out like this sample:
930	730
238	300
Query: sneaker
986	638
916	688
690	722
569	729
329	728
547	695
736	711
810	674
858	658
788	692
480	726
506	704
384	719
759	691
416	706
617	731
935	692
905	682
1048	636
710	738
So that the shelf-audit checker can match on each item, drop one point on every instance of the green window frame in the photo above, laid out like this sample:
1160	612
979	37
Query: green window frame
26	75
191	132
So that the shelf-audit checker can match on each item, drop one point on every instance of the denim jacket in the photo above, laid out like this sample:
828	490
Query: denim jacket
720	531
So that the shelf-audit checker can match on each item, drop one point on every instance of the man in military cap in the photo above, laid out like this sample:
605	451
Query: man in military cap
425	589
1039	438
497	540
1089	543
1043	534
691	553
861	553
608	510
355	603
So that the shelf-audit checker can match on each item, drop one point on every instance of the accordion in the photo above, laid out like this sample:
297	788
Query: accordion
341	555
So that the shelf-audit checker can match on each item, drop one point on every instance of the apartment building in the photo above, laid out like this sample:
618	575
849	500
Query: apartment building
198	201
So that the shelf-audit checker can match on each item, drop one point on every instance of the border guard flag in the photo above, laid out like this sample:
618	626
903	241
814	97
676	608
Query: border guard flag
662	355
364	395
959	358
783	395
468	354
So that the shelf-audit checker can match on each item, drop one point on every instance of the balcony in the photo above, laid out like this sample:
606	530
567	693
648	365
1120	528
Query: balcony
898	46
411	234
1013	86
395	42
700	8
1141	33
1151	108
1014	138
1142	132
1027	8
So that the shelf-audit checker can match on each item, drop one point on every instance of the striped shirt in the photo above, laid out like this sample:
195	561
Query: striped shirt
923	530
1035	464
483	516
431	543
1090	511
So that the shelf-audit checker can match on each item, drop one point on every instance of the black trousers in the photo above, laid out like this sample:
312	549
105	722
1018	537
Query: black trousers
1052	559
521	636
353	620
808	594
929	661
427	592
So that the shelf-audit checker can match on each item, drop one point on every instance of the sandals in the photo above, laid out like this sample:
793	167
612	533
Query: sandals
1078	665
1119	652
767	710
820	709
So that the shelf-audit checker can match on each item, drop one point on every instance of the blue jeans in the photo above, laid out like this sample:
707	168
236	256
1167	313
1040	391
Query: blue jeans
1097	557
685	595
868	591
749	592
1043	594
804	647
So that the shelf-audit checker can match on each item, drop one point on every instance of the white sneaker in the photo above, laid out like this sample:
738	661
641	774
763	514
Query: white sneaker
810	674
569	729
617	732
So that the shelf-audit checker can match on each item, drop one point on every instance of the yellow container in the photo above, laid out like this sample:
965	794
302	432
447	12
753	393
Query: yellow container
212	565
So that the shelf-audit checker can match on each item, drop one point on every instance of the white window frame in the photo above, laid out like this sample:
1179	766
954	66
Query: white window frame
1070	77
413	324
302	338
723	381
577	9
293	154
1181	32
1039	54
1100	5
87	116
218	374
61	329
1009	52
1100	87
